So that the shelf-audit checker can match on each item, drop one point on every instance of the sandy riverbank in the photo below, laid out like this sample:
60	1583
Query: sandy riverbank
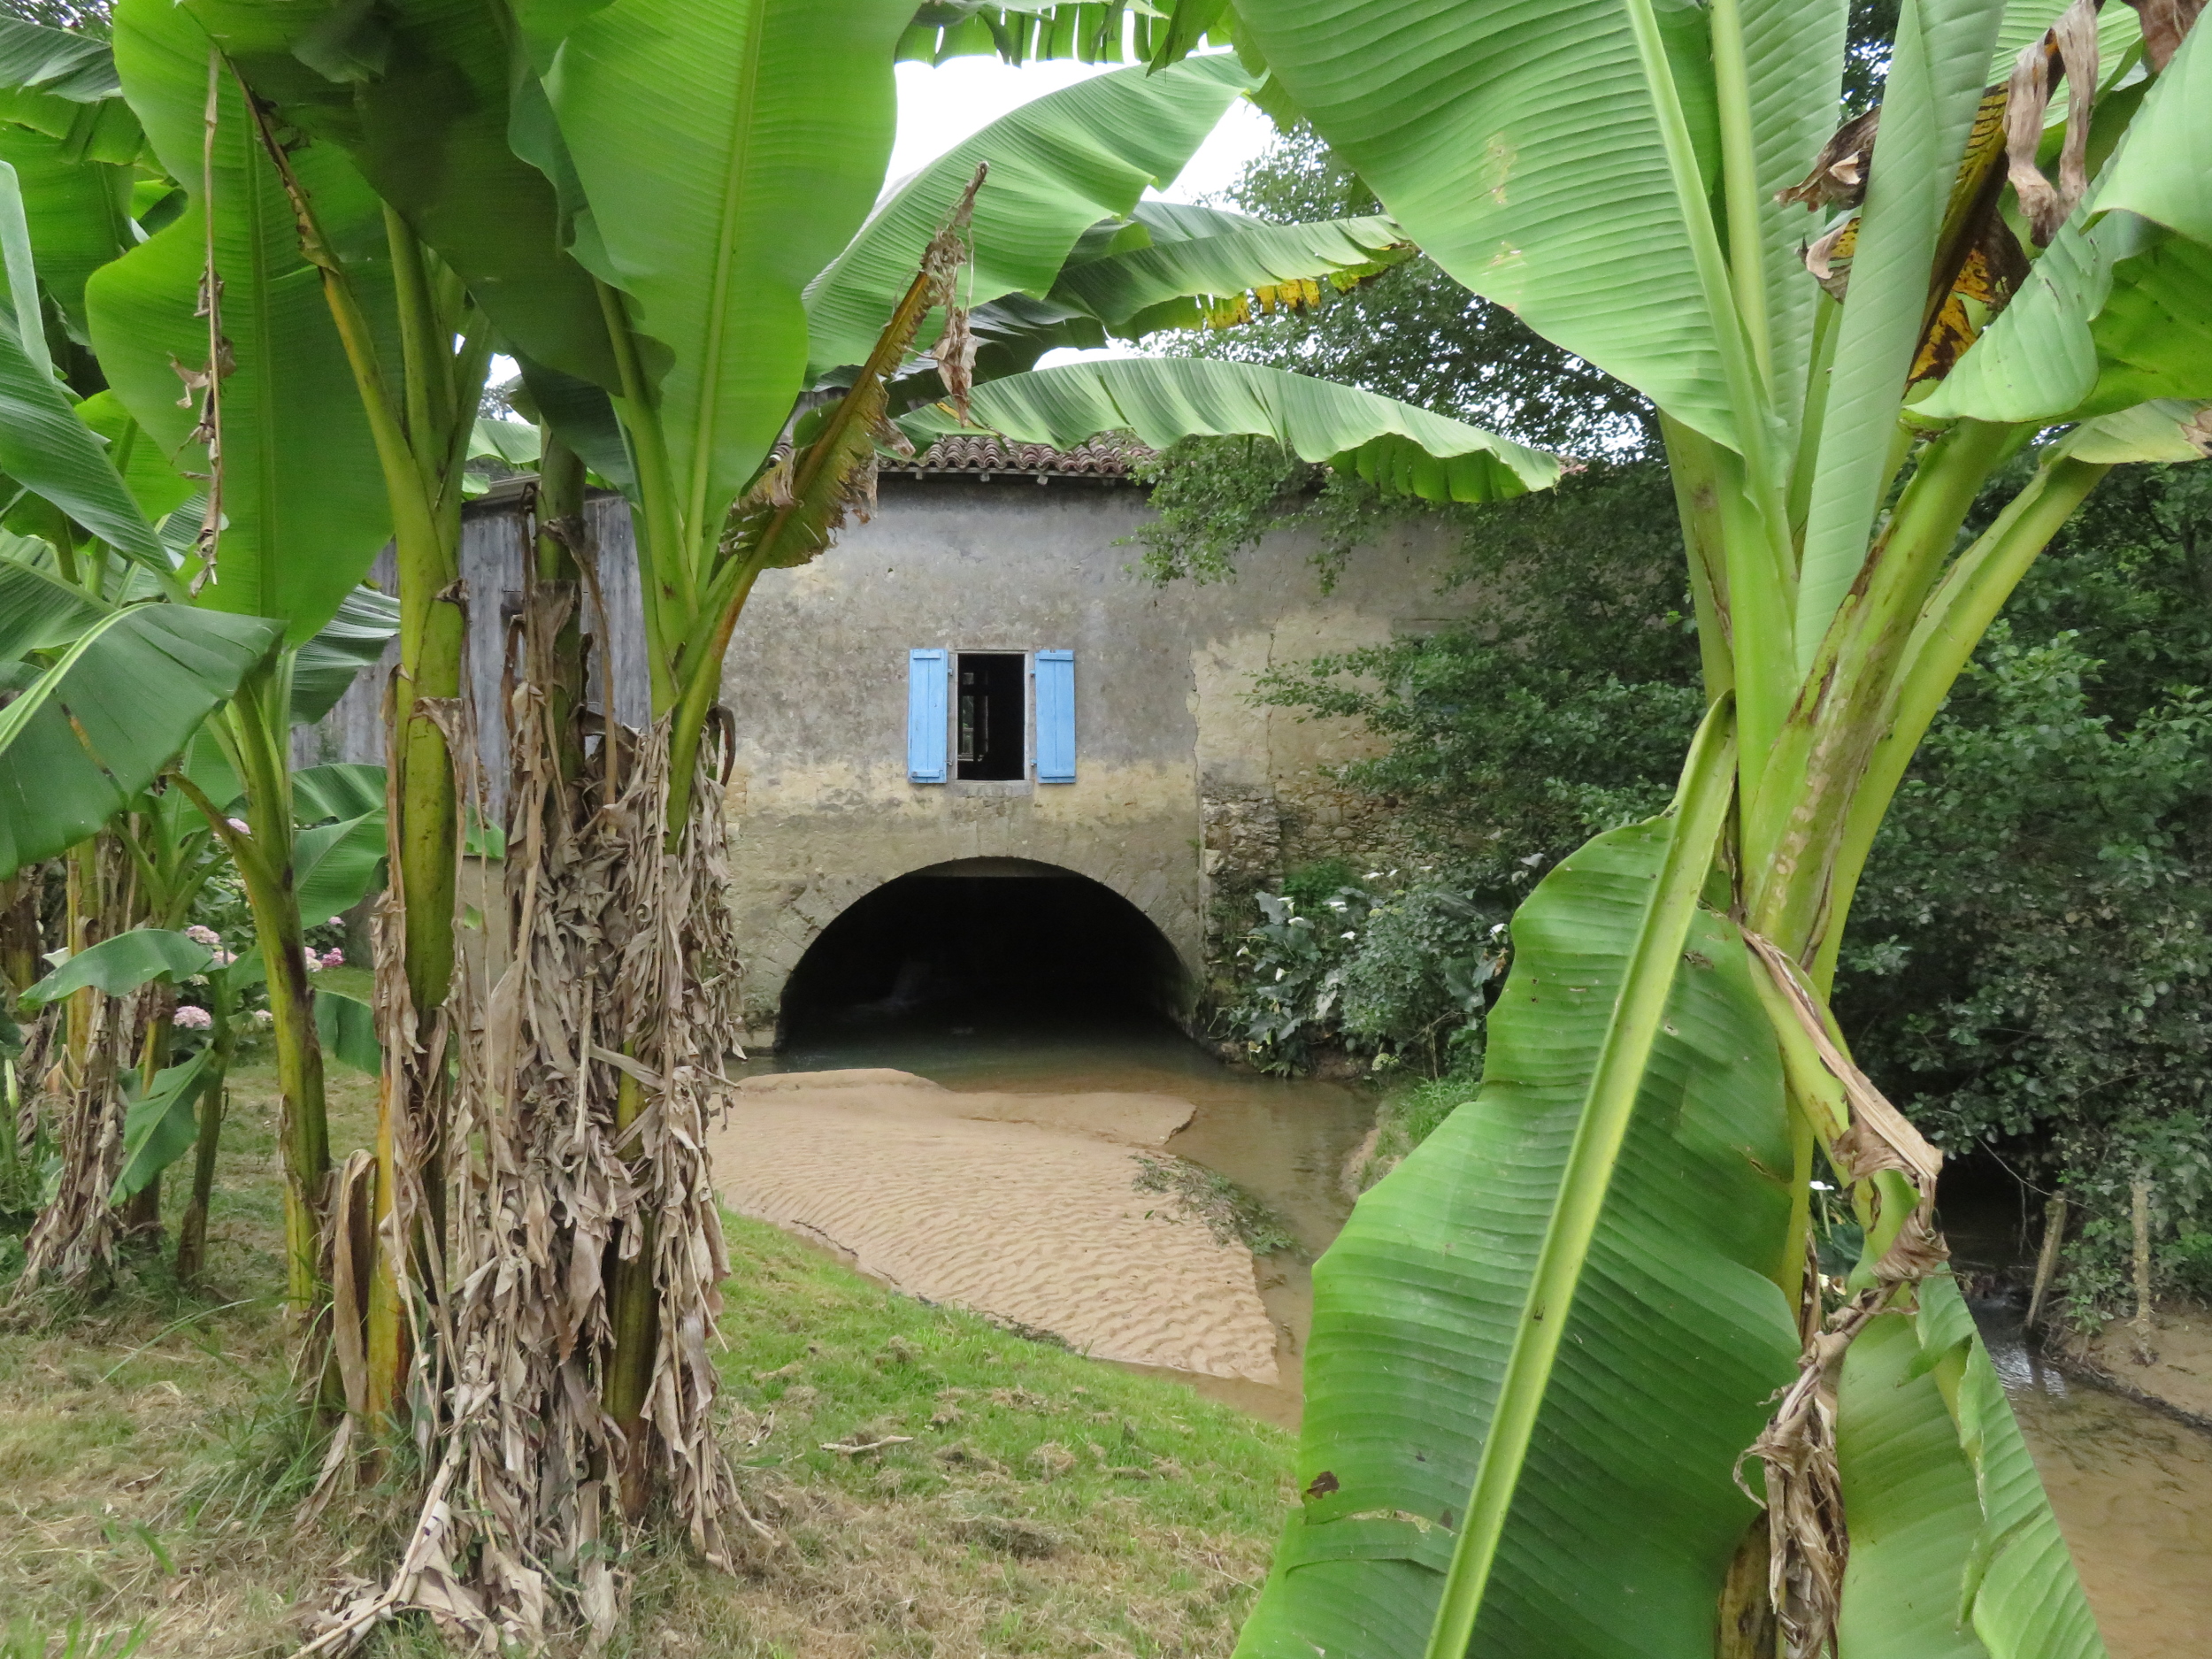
2175	1375
1018	1206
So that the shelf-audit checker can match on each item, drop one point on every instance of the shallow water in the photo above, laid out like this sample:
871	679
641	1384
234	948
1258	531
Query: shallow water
2132	1488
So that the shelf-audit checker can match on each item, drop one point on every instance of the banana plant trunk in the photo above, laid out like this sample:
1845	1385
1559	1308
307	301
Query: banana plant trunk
257	727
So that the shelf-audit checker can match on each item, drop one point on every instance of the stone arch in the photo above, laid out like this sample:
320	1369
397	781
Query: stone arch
1056	925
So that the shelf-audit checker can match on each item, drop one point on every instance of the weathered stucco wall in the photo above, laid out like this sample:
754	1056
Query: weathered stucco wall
1181	782
1183	786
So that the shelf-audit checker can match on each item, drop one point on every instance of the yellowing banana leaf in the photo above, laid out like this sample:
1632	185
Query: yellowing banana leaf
1403	449
1200	263
1626	1514
2118	310
1058	164
96	727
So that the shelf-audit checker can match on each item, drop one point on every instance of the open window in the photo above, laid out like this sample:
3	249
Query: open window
970	715
990	717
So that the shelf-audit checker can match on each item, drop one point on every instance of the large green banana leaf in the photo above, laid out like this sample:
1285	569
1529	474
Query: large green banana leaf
727	152
1953	1549
39	610
96	728
119	964
1521	146
1058	164
422	94
161	1124
63	85
79	213
1625	1515
43	446
335	865
343	789
158	487
1195	258
1404	450
353	640
2118	310
304	506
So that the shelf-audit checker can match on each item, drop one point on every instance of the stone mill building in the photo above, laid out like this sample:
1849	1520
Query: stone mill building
978	750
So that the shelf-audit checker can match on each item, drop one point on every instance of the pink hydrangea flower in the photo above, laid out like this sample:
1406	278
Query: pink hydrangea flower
333	957
240	824
191	1019
223	958
262	1016
199	933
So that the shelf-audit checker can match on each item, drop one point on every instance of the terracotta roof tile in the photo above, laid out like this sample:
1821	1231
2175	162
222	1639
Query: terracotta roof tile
1110	456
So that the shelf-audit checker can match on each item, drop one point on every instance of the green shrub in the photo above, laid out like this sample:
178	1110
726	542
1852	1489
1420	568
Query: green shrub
1401	974
1314	885
2188	1265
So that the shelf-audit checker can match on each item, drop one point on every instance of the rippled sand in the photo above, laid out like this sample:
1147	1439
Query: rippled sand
1019	1206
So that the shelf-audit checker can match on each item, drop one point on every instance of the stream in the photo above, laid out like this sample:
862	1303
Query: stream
2132	1488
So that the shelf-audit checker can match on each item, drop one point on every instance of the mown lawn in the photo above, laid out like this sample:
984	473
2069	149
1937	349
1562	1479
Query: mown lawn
151	1467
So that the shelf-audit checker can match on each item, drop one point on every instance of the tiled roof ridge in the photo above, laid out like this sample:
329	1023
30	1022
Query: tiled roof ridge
1113	456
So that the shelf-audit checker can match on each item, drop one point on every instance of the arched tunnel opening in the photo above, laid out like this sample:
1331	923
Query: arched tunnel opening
994	946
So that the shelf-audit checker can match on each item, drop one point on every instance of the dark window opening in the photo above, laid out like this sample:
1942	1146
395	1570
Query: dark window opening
990	718
933	952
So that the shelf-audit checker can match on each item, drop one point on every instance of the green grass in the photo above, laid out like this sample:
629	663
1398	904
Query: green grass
1040	1502
1228	1210
1408	1117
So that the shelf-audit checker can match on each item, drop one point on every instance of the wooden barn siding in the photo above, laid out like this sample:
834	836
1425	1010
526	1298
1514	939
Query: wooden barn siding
492	551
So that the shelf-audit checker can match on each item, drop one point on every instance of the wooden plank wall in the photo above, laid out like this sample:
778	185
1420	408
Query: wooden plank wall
493	545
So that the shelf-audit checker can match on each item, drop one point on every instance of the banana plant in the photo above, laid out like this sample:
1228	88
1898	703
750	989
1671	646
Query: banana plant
1548	1346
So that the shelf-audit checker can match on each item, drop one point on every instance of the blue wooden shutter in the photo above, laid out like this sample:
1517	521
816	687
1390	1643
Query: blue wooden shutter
1056	717
926	716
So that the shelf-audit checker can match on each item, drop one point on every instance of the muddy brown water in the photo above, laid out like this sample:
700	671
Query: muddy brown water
2132	1488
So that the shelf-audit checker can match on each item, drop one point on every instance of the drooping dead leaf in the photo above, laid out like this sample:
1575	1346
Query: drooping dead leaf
1840	171
1994	269
2164	23
1808	1540
2067	50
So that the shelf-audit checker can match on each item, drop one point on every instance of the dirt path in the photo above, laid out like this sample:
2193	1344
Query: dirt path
1019	1206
